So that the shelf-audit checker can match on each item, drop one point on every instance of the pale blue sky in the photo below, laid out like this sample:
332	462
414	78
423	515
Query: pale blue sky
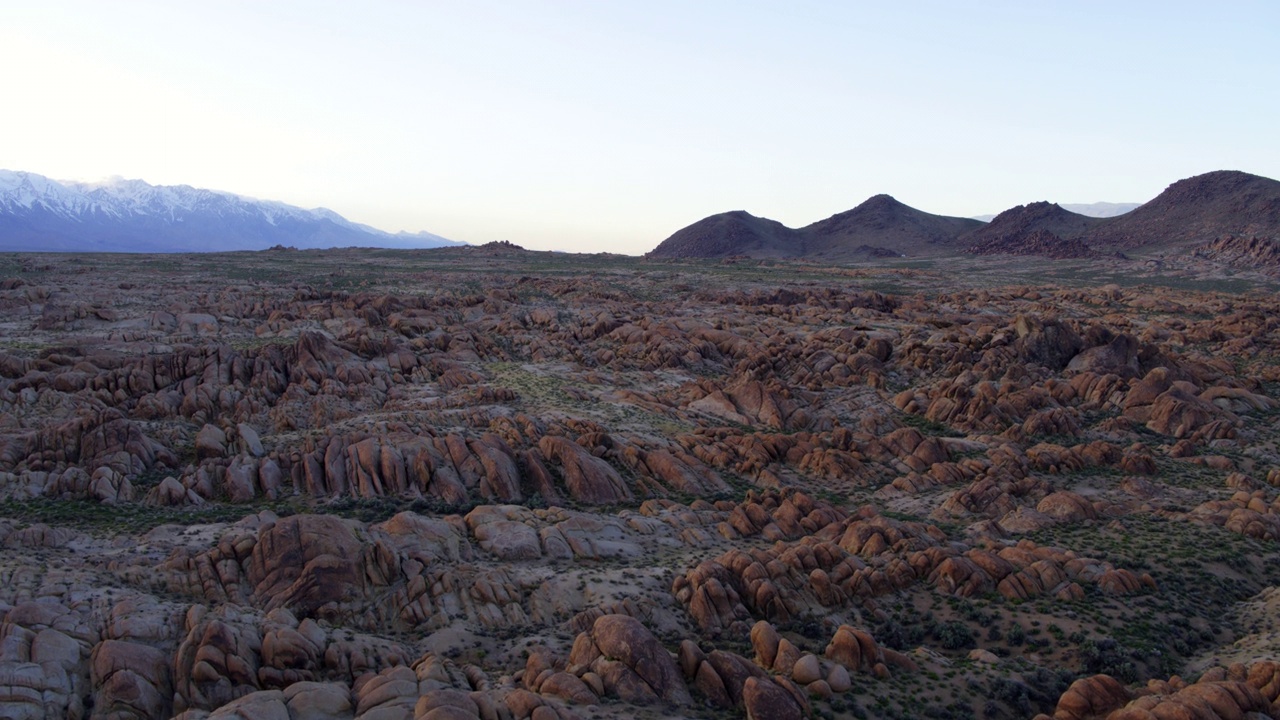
591	126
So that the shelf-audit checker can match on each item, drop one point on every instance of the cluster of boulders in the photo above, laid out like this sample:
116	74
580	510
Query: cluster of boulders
1250	512
1238	691
617	657
410	572
611	491
866	556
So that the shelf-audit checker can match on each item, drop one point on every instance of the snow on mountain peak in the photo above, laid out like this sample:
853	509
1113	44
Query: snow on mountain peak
24	189
153	211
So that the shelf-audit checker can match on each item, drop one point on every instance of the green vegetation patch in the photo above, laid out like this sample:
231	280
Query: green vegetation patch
96	518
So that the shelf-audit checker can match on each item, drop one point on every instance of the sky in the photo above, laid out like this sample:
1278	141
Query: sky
605	126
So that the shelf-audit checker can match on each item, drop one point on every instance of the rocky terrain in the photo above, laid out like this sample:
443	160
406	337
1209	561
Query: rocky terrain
1041	228
1196	210
491	483
1187	215
1250	253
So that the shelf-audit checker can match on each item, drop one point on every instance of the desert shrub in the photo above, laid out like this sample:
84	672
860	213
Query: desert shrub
896	636
1016	635
1107	656
1046	686
954	635
1011	693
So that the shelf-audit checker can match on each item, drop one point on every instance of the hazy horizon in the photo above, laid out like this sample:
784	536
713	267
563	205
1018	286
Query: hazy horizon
607	127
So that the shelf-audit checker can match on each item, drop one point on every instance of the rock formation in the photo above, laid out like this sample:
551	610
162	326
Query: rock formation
491	483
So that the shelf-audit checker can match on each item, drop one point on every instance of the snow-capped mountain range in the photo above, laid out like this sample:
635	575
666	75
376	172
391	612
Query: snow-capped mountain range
118	215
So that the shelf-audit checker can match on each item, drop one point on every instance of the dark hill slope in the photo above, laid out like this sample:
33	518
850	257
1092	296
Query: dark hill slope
1196	210
879	227
732	233
1187	214
1040	228
884	222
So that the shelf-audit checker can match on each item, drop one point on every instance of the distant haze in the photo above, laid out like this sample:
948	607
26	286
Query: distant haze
1097	209
608	126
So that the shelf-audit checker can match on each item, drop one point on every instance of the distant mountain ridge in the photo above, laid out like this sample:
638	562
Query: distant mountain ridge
1100	209
1093	210
879	227
118	215
1195	210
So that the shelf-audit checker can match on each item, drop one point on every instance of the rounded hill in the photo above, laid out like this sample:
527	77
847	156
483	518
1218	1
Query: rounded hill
882	221
732	233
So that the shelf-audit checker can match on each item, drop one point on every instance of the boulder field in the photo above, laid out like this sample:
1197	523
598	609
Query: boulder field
487	483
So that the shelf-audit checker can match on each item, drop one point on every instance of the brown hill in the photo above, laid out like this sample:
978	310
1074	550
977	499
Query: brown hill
884	222
1040	228
1196	210
732	233
879	227
1189	213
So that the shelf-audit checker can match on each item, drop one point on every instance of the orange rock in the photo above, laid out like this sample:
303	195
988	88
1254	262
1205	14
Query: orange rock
588	478
765	641
1090	697
853	648
764	699
639	653
568	688
690	657
787	656
1067	506
712	686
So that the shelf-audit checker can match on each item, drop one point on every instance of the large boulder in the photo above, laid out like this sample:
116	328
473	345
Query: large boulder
1118	357
1066	506
1045	342
590	480
1094	696
767	700
854	648
132	680
211	442
634	665
306	562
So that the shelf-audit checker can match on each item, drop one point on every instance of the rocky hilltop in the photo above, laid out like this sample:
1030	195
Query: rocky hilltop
495	483
1190	212
1041	228
1196	210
